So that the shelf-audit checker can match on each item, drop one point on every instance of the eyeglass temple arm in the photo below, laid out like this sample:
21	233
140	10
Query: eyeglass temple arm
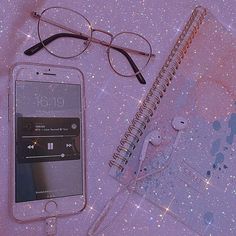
49	21
37	47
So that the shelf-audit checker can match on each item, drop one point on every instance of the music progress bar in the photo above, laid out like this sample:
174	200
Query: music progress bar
35	157
48	136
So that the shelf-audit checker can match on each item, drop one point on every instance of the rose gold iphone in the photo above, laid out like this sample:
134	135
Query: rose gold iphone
47	141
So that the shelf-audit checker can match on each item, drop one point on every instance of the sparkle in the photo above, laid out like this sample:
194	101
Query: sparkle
167	209
28	35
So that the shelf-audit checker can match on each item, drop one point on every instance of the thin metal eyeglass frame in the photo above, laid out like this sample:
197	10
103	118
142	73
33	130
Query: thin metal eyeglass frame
89	39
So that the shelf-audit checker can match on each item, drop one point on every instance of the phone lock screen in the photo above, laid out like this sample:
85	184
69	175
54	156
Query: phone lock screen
48	145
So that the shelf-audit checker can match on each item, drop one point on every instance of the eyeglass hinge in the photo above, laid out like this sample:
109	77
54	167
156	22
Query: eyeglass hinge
35	14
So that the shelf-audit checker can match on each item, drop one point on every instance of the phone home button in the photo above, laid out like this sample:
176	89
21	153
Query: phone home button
51	207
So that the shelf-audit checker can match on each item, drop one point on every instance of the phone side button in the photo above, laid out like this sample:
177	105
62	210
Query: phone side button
8	106
51	207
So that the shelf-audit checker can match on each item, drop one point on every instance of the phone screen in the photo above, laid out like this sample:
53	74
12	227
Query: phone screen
48	140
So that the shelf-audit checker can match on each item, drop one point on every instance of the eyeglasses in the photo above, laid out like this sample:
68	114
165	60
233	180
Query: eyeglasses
66	33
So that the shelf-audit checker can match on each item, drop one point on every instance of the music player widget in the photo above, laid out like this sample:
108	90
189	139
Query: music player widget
47	139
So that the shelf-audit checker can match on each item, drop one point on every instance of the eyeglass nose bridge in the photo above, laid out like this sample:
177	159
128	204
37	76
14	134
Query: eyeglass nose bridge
102	42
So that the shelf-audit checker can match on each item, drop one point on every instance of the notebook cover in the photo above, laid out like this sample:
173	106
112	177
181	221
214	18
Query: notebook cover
196	182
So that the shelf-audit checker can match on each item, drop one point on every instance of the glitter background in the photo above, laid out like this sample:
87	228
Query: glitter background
111	100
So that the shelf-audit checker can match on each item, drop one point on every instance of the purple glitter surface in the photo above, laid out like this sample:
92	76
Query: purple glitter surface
112	101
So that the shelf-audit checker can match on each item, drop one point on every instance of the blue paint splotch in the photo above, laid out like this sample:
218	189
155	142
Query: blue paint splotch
219	159
216	125
208	218
232	126
215	147
208	174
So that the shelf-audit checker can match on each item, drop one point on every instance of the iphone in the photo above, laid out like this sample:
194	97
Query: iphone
46	141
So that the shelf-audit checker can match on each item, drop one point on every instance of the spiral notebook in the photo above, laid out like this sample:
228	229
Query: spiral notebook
196	181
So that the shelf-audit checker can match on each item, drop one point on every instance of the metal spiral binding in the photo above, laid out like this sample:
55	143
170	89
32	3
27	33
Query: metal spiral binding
121	148
159	87
117	156
114	163
133	127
